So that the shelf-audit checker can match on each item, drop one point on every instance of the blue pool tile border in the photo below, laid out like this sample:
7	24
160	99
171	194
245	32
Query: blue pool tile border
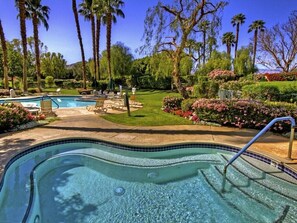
264	159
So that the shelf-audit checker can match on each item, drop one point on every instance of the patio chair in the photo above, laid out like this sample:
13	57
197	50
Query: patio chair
31	107
98	107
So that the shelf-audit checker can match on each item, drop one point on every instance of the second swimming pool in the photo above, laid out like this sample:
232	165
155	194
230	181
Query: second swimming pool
62	101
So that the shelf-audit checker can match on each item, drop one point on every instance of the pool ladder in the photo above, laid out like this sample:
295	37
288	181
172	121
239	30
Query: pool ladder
47	96
287	118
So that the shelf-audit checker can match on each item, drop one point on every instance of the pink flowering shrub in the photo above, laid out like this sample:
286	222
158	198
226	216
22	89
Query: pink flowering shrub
171	104
225	75
12	115
244	114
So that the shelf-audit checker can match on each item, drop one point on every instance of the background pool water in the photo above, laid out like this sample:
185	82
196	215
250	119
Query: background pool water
62	101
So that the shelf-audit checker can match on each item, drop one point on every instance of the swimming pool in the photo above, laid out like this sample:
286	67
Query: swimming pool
85	180
62	101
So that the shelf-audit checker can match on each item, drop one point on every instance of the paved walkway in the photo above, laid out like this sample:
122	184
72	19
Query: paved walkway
81	123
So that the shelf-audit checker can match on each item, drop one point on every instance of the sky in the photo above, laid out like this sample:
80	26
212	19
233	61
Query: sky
62	37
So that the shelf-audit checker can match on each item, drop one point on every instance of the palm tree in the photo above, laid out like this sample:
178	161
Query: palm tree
256	26
204	26
86	10
111	10
4	49
22	15
98	10
229	40
74	9
237	20
39	14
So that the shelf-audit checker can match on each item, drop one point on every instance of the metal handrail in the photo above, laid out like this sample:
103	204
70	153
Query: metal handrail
44	96
287	118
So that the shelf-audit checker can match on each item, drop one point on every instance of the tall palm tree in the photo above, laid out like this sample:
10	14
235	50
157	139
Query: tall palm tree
237	21
204	26
20	4
229	40
256	26
74	9
39	14
111	10
86	10
98	10
4	49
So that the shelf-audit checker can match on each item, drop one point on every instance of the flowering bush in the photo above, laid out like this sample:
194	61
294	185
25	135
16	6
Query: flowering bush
244	114
12	115
274	77
290	76
171	103
222	75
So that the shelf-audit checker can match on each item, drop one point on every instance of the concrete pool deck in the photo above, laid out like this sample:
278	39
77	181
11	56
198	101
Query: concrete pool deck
78	122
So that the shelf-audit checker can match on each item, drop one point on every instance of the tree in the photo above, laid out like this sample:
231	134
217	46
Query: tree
279	45
112	8
256	26
39	14
53	64
229	40
237	21
22	16
216	61
121	60
204	26
243	63
169	28
98	7
74	9
4	50
86	10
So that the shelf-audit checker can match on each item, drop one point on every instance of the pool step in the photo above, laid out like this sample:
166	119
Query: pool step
245	202
252	174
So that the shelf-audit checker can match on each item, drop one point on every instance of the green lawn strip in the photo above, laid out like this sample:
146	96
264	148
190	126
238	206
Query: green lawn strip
281	85
62	92
151	113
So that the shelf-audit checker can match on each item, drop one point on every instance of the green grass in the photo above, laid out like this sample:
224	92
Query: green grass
62	92
281	85
151	113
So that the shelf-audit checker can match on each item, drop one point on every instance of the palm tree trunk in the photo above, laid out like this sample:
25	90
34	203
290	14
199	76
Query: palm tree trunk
98	30
22	11
204	46
37	53
236	40
5	63
255	47
94	46
74	9
108	42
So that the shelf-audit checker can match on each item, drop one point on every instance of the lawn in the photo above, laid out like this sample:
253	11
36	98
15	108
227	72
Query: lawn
62	92
151	113
281	85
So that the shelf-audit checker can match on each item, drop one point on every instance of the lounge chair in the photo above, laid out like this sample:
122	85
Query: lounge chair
98	107
31	107
46	106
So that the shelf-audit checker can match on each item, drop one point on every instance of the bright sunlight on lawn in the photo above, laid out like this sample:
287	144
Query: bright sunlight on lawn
151	114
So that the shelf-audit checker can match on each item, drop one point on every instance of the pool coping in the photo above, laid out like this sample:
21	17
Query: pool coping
145	148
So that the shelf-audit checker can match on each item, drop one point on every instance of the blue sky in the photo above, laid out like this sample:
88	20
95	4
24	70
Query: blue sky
61	36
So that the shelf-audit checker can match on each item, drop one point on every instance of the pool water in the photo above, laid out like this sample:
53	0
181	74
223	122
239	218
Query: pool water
62	101
79	182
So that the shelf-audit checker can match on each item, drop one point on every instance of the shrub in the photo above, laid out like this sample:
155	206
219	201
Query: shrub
150	82
245	114
206	89
12	115
4	92
171	103
224	75
187	104
261	92
49	81
235	85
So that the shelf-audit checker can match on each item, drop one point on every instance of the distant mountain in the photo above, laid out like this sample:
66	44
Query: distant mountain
269	71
